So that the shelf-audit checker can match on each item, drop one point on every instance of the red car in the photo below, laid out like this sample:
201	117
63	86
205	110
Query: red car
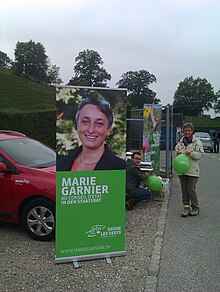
27	184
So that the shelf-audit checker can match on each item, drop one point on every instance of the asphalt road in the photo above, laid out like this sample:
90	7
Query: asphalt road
190	258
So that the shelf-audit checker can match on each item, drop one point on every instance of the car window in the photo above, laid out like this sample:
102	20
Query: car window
29	152
202	135
6	162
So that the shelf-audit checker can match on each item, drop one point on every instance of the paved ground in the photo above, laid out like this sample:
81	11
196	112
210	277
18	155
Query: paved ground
28	265
190	254
165	253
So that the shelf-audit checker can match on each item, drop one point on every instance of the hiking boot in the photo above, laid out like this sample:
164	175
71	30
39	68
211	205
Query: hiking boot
185	212
194	212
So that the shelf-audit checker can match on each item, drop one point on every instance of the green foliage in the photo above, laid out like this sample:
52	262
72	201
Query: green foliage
203	124
53	75
217	104
39	125
194	96
19	93
88	70
5	61
137	83
27	107
31	61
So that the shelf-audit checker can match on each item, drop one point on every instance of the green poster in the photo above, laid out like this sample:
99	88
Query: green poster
91	212
90	186
151	135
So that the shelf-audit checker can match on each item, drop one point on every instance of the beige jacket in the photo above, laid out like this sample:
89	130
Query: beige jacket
196	152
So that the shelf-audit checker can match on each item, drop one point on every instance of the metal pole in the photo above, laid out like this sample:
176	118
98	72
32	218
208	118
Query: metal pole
171	144
167	139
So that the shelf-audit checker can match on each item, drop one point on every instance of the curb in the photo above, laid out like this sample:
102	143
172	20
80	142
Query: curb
153	269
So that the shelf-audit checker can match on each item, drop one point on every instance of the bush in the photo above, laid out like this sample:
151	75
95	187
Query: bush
39	125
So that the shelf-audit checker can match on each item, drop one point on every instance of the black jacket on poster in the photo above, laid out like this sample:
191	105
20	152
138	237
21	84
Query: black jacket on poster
108	160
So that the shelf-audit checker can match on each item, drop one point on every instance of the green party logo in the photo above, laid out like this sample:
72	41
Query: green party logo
103	231
95	230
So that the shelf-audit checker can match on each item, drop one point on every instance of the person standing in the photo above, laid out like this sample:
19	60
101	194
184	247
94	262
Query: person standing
134	178
193	148
216	138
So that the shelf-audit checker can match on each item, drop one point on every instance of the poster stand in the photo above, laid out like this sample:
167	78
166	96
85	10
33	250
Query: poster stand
108	260
76	263
85	197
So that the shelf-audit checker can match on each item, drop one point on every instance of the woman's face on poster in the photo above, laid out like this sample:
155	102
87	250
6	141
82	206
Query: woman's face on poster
92	126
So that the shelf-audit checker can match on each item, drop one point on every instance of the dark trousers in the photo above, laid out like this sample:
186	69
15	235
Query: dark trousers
188	187
216	146
141	194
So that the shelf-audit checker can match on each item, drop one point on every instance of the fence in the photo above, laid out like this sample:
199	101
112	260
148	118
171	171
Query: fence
135	138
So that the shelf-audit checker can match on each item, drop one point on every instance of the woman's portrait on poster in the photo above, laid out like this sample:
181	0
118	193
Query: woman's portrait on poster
94	119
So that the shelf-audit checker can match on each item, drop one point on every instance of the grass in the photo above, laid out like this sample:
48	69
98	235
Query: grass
22	94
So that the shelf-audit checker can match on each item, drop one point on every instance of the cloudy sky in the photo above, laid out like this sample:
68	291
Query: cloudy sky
172	39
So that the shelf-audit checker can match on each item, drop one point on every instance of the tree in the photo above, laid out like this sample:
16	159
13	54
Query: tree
194	96
31	61
53	75
88	70
217	103
5	61
137	84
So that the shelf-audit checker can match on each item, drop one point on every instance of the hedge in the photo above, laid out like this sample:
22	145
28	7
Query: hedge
40	125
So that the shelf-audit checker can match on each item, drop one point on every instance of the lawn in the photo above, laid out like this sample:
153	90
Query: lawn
22	94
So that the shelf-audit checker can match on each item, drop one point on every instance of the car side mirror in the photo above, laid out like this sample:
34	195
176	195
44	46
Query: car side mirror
3	167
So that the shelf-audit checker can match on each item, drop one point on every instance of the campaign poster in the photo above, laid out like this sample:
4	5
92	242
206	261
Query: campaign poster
151	135
90	177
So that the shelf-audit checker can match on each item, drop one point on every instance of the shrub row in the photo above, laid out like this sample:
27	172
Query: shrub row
39	125
206	129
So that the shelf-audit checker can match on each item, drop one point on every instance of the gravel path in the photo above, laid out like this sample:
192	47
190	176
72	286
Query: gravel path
28	265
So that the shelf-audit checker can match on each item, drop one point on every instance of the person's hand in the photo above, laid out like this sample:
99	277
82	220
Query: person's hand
187	152
178	152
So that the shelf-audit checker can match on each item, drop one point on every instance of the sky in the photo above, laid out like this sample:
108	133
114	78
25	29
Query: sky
171	39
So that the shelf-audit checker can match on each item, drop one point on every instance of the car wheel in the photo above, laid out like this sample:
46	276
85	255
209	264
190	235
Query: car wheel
38	219
211	150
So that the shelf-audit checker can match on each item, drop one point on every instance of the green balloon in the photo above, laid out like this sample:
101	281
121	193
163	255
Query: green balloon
181	164
154	183
149	178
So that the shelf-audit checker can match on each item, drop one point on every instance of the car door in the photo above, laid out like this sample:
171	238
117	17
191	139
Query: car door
6	189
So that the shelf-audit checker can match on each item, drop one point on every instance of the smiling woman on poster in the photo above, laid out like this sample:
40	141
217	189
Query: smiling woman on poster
94	119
